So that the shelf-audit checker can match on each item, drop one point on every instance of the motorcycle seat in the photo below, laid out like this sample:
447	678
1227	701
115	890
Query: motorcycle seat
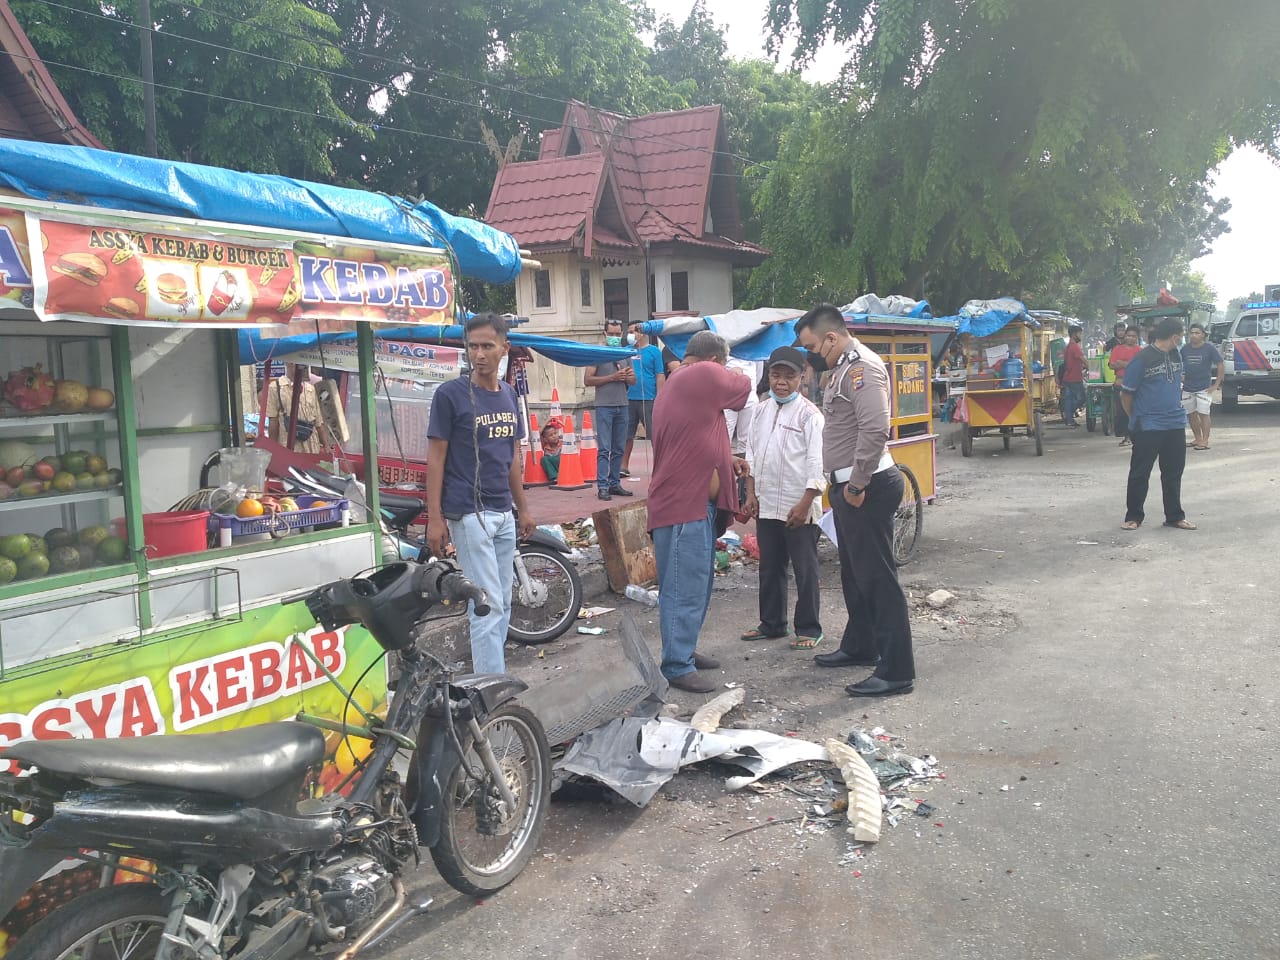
244	764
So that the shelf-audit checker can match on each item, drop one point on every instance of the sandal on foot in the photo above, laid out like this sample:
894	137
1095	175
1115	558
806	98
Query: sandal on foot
1131	525
1180	524
758	634
805	643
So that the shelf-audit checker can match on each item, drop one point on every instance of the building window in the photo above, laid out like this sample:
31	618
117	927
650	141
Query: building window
585	276
680	291
617	298
541	288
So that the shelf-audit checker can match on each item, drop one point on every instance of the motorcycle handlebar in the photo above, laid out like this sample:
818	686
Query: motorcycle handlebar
459	589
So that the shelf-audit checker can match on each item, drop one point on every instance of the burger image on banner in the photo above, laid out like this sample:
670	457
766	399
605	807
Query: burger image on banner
87	268
122	308
171	290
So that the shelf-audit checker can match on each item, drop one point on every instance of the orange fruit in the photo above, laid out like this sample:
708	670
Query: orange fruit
249	507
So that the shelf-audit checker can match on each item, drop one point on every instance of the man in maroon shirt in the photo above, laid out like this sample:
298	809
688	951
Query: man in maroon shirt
1073	379
693	477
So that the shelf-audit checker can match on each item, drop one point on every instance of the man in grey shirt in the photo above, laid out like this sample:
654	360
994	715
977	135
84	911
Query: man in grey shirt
611	380
866	490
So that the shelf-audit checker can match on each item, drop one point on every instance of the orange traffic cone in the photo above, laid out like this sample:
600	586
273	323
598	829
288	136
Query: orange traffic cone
588	446
534	475
570	461
557	415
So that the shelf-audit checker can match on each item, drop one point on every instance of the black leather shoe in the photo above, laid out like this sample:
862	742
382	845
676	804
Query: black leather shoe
621	492
838	658
692	683
603	495
875	687
702	662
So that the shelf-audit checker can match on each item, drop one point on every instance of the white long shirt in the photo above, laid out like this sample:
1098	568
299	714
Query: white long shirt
784	451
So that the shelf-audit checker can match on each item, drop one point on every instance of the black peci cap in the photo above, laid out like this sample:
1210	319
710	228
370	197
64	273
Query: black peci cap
789	356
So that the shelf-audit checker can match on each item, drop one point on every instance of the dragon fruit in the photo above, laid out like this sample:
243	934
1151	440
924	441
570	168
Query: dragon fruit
29	389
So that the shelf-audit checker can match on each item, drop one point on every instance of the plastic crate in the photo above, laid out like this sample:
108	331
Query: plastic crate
229	526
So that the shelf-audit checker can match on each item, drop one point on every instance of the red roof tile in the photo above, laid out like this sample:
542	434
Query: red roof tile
660	165
31	105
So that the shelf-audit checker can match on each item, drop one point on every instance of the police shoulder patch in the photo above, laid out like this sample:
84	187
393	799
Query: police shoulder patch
856	375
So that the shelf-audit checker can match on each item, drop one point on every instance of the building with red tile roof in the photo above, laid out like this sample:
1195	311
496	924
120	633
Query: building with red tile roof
629	216
31	105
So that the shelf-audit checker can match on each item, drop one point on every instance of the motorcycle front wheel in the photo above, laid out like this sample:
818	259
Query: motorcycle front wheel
482	846
123	923
556	597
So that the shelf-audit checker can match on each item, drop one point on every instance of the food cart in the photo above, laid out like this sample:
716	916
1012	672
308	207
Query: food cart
902	342
1048	344
999	399
118	616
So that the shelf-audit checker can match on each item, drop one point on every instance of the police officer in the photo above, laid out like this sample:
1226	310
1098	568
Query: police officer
866	490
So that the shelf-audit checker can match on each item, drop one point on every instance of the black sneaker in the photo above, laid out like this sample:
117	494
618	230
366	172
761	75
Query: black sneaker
620	492
603	495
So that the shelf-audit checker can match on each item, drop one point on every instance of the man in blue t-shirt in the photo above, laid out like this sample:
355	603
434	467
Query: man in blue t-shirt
641	394
1152	397
1202	372
475	478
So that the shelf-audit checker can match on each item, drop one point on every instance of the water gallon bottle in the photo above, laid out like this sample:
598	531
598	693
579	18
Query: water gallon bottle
1013	372
640	595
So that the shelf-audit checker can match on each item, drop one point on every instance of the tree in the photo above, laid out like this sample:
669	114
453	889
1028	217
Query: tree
993	146
235	87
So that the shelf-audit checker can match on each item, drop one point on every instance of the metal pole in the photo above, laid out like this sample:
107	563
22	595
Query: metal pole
146	25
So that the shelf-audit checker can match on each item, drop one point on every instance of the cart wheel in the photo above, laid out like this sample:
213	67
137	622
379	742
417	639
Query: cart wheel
1090	423
908	521
966	441
1039	427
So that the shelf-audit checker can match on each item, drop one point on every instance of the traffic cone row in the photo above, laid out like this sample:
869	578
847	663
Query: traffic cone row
589	454
570	459
534	474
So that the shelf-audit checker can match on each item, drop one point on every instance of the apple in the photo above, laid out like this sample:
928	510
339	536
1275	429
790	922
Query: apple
15	476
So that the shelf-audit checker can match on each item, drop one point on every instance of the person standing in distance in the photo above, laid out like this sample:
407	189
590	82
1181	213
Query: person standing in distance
866	490
1152	398
784	453
642	392
475	480
1073	376
1202	373
610	380
693	479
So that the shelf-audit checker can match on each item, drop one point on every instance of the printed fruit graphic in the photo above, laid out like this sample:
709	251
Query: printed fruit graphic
64	560
93	536
248	507
8	570
84	481
95	464
99	399
29	389
33	565
351	751
15	546
70	396
60	537
73	462
64	482
111	550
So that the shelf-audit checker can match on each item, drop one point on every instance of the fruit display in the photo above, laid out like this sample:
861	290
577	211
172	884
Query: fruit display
29	556
22	475
32	392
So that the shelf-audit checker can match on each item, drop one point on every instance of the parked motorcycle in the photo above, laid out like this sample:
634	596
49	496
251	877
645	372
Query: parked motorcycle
245	870
546	591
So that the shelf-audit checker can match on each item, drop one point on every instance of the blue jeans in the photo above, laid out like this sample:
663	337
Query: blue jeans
686	555
486	546
1072	400
611	441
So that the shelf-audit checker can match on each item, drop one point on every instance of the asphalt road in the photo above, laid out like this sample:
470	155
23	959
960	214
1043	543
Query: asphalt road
1122	685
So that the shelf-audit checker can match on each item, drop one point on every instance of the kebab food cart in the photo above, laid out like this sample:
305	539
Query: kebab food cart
118	617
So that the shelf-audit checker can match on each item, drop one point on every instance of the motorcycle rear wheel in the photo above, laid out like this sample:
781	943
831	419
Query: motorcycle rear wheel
532	624
124	923
477	853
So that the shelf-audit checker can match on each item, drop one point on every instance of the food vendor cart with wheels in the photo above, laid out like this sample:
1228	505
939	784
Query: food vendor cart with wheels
119	615
999	398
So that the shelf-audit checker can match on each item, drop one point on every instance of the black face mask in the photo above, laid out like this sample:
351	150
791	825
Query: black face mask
816	360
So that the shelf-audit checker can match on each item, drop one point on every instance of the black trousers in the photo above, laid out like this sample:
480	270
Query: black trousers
779	547
1121	418
1170	448
878	621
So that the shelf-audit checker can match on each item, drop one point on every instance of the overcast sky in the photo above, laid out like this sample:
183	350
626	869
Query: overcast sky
1241	262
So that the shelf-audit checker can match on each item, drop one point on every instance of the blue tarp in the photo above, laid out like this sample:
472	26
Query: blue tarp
120	181
982	318
254	347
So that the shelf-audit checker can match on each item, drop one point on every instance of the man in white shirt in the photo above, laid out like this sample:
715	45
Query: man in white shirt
784	452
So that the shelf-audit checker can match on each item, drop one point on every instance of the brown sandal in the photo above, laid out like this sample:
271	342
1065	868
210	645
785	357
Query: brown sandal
1131	525
1181	525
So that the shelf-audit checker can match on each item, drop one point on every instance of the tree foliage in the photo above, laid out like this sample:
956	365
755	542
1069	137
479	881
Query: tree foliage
997	146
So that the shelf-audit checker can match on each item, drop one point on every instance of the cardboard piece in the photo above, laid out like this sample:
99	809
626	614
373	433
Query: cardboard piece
625	545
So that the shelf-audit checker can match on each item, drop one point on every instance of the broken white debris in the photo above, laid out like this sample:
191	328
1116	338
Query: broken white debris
707	717
939	599
864	791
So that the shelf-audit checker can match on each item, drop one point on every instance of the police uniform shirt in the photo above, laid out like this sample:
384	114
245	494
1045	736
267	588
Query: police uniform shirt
856	405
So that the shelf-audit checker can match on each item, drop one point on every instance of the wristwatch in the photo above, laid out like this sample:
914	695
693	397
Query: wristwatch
857	491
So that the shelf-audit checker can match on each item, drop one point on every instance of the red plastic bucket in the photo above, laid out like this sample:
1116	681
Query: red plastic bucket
170	534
